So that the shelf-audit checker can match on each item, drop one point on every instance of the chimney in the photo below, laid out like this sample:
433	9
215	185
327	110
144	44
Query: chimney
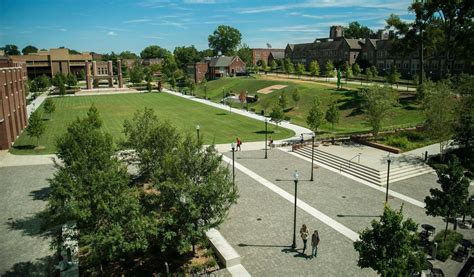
336	32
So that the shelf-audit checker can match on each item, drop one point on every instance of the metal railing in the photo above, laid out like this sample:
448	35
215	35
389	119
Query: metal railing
349	162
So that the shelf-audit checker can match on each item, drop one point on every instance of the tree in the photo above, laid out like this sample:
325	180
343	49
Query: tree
61	86
170	67
393	76
347	69
58	79
300	69
290	68
265	105
172	82
245	53
49	106
283	100
315	116
207	53
274	65
74	52
464	126
376	103
356	30
450	201
296	96
71	80
148	79
264	65
277	114
225	39
36	126
439	107
184	55
332	114
127	55
136	74
373	71
11	50
29	49
397	256
330	69
154	52
356	69
40	84
314	68
91	188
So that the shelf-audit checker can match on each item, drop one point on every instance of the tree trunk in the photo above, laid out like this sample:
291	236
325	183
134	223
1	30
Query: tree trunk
421	55
446	229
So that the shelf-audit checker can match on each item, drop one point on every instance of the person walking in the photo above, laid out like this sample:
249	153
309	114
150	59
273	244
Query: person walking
239	143
314	244
304	232
301	139
270	142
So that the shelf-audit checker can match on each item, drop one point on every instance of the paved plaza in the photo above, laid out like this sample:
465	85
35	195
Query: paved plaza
24	249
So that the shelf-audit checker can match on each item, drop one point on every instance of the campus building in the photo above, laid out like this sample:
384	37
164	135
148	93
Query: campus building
13	114
367	52
216	67
53	61
263	54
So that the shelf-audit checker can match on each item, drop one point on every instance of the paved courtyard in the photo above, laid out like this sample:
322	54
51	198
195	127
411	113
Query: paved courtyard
24	249
345	201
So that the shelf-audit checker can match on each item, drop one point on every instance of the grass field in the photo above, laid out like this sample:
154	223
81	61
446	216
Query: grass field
408	113
216	126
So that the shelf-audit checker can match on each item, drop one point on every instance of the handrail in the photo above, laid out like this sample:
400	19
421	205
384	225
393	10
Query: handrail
349	162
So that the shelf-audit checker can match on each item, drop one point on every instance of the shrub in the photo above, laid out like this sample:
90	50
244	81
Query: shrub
397	141
413	136
446	247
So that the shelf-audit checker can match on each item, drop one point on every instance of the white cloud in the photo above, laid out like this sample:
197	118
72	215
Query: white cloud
137	21
153	37
62	30
111	33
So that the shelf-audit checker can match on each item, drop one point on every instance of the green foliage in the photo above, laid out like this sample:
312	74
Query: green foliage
71	80
296	96
274	65
10	50
127	55
61	86
464	126
316	115
184	55
36	126
450	200
332	114
330	69
169	67
356	30
289	67
356	69
154	51
347	69
446	246
225	39
245	53
393	76
300	69
49	106
29	49
397	256
377	102
277	114
40	84
397	141
58	79
314	68
283	100
136	74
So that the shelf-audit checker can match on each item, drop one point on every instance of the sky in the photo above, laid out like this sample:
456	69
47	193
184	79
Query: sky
103	26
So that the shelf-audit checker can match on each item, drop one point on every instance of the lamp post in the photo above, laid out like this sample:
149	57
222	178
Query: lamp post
232	145
197	131
388	178
205	90
295	175
266	124
312	156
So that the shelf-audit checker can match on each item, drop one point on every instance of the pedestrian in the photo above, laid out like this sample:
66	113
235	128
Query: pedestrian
301	139
270	142
239	143
314	244
304	232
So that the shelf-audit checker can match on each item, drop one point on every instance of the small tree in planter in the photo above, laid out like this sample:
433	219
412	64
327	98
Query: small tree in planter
49	106
36	126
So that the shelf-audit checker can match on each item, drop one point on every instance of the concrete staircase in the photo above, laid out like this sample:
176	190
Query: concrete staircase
398	172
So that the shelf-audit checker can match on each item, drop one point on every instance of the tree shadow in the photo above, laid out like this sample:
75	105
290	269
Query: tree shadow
41	194
352	101
221	113
40	267
25	147
32	225
357	215
263	132
262	245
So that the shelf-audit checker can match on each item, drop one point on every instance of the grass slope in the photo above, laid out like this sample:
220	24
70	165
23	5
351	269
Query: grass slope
408	113
216	126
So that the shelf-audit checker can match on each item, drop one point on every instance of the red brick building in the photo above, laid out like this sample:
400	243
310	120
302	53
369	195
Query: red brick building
262	54
13	114
216	67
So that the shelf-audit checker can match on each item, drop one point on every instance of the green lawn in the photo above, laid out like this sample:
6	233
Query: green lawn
407	114
216	126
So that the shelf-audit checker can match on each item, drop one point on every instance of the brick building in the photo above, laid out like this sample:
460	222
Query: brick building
262	54
216	67
53	61
13	114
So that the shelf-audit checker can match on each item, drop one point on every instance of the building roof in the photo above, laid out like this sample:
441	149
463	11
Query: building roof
355	43
221	61
278	54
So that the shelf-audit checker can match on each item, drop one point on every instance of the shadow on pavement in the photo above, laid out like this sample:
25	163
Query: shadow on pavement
357	215
40	267
261	245
31	226
41	194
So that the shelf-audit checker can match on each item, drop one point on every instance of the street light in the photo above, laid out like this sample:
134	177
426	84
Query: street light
295	175
205	90
388	178
232	145
266	124
197	130
312	157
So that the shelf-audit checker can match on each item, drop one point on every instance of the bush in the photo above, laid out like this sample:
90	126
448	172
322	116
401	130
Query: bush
397	141
413	136
446	247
